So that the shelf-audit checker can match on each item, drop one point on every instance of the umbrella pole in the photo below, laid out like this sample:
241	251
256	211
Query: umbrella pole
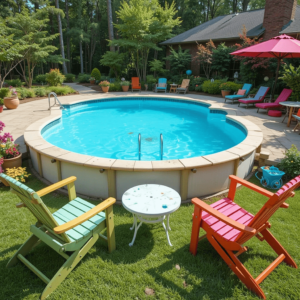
277	73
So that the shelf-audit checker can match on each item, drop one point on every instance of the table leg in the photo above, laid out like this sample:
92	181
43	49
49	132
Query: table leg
166	229
136	228
290	117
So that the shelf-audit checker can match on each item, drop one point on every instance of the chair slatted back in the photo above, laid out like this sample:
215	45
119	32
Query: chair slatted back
34	203
262	92
284	95
247	87
162	80
270	207
185	83
135	81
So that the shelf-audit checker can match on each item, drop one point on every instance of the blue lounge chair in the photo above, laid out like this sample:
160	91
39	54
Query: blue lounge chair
259	97
297	117
247	87
161	85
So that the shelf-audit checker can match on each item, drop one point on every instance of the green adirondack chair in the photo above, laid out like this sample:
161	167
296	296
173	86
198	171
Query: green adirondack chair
71	231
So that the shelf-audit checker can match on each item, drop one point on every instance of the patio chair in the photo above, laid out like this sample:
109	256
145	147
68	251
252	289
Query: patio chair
161	85
135	84
297	117
71	231
284	96
184	87
228	226
259	97
246	86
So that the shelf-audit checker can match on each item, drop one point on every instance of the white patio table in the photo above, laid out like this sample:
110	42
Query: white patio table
151	203
290	106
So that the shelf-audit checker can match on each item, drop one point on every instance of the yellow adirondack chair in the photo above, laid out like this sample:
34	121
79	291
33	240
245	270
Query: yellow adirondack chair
184	87
71	231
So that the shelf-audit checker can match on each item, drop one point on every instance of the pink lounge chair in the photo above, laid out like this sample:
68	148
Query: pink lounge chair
285	94
259	97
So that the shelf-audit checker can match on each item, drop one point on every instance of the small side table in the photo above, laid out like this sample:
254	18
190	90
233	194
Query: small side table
173	88
151	203
291	105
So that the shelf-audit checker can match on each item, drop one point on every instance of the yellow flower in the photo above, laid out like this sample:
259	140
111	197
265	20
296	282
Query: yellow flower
2	145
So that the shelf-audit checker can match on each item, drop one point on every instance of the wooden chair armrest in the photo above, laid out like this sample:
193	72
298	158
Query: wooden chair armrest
222	217
84	217
250	186
56	186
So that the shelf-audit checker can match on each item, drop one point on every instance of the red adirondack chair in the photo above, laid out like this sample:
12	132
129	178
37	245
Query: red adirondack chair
135	84
228	226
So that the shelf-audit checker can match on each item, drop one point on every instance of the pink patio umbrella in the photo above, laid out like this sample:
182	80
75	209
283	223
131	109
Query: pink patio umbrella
280	47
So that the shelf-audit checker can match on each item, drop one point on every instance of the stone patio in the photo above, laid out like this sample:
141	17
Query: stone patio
277	136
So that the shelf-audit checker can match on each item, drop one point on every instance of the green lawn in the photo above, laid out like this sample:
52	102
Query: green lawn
151	262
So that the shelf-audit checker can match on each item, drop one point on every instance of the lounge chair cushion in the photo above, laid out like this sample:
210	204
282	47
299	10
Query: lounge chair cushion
250	100
267	105
162	85
241	92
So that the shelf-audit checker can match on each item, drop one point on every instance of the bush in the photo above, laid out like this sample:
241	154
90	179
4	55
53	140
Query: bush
198	88
96	74
70	77
83	78
290	164
4	92
40	78
14	82
30	93
212	87
115	87
291	77
55	78
151	79
231	86
40	92
61	90
25	93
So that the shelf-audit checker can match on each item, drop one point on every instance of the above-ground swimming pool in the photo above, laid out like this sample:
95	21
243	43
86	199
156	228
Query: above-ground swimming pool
97	141
111	129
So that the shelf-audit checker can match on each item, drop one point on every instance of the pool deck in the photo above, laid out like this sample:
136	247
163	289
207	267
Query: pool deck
277	136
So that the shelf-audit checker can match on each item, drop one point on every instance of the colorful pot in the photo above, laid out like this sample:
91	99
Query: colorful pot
225	93
1	109
105	89
11	102
125	88
15	162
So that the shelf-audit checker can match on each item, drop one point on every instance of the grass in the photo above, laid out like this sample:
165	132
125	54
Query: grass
125	273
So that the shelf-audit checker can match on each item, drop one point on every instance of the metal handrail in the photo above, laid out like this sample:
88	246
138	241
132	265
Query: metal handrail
55	99
139	141
161	146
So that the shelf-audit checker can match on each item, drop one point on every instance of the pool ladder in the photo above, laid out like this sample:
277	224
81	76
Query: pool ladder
55	99
161	146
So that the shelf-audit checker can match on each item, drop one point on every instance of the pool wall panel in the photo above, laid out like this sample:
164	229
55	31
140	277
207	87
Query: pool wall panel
33	156
245	167
49	169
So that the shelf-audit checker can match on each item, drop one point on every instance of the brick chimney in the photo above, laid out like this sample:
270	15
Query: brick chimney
277	14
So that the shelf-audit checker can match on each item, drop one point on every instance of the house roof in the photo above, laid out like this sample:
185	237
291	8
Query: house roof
230	27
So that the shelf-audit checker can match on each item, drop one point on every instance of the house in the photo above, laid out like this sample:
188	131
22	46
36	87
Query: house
278	17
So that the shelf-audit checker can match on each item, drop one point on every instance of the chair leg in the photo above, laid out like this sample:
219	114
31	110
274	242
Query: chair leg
68	266
23	250
257	109
195	230
271	240
111	239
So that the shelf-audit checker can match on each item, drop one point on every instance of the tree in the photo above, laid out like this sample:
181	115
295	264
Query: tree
144	24
110	24
114	60
157	66
180	60
28	29
204	56
221	59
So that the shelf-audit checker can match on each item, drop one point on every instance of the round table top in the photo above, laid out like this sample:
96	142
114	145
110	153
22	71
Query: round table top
151	200
173	84
290	103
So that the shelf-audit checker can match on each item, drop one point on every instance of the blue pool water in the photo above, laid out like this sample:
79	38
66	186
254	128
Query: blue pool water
110	129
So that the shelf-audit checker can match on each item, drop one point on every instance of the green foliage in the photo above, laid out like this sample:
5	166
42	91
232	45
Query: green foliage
290	164
96	74
212	87
83	78
221	59
104	83
55	78
125	83
14	82
151	79
40	78
115	87
25	93
4	92
180	61
157	66
230	86
1	101
69	77
61	90
291	76
114	60
40	92
198	88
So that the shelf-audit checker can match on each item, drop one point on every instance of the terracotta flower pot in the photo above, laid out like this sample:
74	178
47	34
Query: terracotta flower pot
15	162
92	81
105	89
11	102
125	88
225	93
1	109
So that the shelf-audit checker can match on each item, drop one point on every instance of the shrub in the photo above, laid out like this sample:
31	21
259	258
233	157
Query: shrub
70	77
290	164
40	78
104	83
14	82
291	77
96	74
198	88
83	78
40	92
125	83
22	93
230	86
212	87
4	92
55	78
61	90
115	87
1	101
151	79
30	93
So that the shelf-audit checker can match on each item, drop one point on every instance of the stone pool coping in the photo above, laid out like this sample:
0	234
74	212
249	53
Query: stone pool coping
253	141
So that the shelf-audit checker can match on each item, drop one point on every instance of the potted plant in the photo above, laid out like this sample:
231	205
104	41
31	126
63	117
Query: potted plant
104	85
225	89
92	80
125	85
9	151
12	102
1	105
